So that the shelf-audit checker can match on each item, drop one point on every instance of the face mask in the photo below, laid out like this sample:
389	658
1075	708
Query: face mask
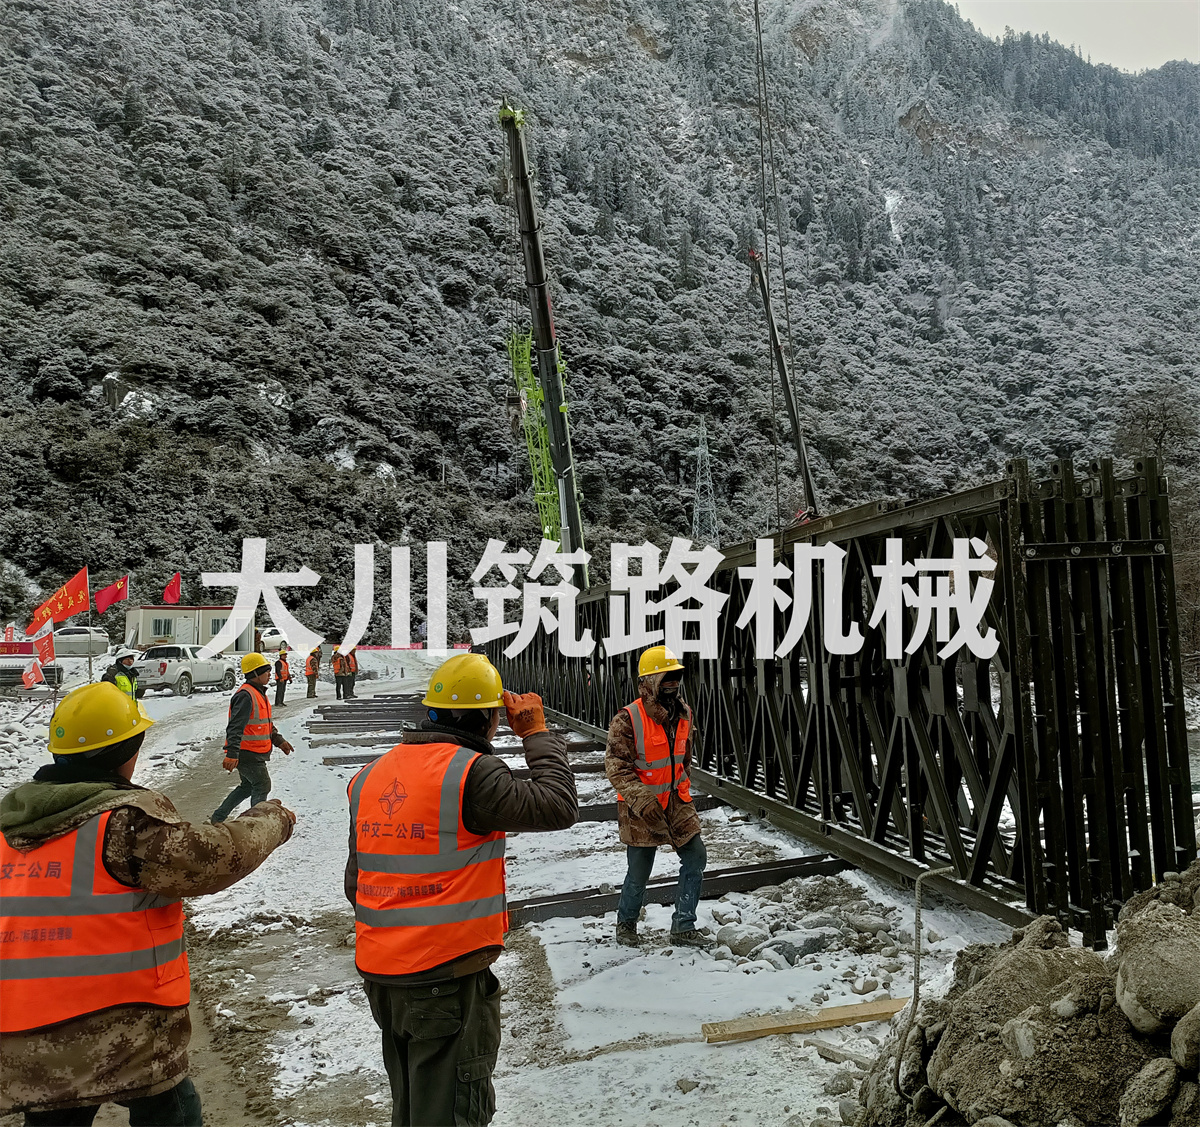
668	691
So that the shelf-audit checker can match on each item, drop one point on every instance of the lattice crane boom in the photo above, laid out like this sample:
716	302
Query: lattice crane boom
543	348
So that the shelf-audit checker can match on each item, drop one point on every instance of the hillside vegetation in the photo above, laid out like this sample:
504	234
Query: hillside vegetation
257	269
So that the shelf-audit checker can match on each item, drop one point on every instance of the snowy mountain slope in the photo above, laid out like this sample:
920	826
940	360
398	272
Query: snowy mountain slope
256	267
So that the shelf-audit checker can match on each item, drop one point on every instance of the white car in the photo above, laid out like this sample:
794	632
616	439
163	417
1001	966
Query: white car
80	641
181	669
271	638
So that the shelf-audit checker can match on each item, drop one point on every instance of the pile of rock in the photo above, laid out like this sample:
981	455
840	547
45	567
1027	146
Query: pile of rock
1037	1033
775	927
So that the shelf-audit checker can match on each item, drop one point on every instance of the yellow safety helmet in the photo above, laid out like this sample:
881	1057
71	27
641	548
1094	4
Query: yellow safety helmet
465	681
658	659
253	662
94	716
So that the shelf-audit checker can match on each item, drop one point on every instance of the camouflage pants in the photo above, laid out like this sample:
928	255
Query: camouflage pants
176	1107
440	1044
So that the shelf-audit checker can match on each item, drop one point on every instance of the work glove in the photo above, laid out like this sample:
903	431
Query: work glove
525	714
285	747
230	762
654	816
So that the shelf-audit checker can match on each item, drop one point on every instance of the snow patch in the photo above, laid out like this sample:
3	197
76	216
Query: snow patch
342	457
891	203
138	405
272	392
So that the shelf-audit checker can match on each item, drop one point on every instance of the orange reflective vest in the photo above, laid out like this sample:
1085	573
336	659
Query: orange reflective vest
74	941
350	663
429	890
285	671
658	765
338	662
311	665
256	735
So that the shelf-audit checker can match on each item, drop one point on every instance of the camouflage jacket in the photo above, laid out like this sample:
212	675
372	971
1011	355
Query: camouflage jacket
124	1052
640	818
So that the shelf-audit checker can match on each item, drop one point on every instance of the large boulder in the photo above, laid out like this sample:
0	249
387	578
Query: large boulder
1185	1041
741	939
1150	1093
1159	953
1185	1111
1038	1038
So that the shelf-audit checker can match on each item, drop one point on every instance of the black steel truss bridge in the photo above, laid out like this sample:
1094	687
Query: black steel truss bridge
1052	777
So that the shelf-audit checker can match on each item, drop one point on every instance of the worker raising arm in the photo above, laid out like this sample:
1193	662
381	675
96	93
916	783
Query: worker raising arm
426	878
94	869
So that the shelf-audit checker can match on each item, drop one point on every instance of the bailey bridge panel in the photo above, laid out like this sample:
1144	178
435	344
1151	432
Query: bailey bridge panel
1052	777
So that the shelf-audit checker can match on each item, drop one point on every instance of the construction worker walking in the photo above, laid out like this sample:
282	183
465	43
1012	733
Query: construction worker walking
122	673
426	877
94	868
249	737
312	669
283	674
649	751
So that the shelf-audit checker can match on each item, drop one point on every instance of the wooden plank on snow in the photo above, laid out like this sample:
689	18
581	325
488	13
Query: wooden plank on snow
801	1021
838	1055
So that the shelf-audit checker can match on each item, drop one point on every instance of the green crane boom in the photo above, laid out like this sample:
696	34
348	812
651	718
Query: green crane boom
537	437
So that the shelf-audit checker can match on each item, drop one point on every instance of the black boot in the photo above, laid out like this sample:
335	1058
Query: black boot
627	935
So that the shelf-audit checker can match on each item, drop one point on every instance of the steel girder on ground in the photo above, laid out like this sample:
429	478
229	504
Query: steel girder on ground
1053	777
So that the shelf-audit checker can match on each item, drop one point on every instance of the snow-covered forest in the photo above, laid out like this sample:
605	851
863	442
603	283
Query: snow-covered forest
257	270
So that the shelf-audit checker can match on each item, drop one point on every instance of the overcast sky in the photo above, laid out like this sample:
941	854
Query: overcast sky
1130	34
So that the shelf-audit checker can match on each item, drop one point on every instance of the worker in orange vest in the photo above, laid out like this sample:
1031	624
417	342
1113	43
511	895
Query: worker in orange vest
312	669
426	877
649	750
283	674
350	671
338	662
249	736
94	982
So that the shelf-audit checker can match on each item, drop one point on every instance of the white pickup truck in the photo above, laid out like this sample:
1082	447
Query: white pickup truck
181	669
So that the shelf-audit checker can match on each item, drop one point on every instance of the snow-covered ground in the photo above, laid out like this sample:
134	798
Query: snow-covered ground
594	1033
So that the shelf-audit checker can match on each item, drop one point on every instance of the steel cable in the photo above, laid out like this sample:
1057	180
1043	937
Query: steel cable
763	139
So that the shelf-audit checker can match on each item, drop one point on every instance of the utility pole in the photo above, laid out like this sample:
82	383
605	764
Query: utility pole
545	344
789	396
705	529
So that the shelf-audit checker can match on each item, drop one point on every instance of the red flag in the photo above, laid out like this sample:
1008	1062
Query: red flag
71	598
45	647
115	593
32	674
172	590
